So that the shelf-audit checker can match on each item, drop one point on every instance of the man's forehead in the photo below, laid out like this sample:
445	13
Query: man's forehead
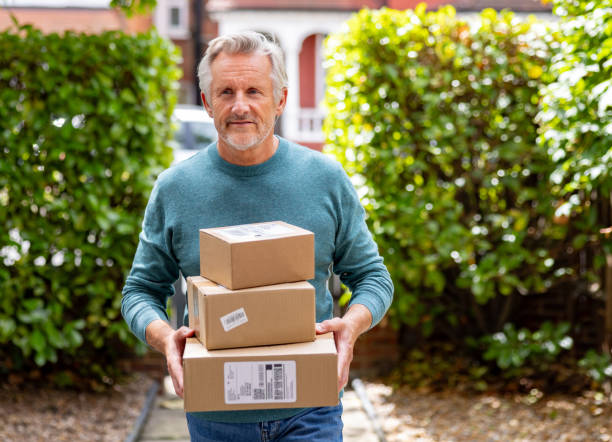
241	57
254	67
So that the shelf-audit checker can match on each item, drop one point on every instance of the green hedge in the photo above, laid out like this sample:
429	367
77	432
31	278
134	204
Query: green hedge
85	130
435	122
576	119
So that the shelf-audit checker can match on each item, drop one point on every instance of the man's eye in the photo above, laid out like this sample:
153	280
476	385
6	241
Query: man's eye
253	91
226	92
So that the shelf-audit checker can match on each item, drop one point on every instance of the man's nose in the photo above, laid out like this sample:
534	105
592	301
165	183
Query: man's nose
240	105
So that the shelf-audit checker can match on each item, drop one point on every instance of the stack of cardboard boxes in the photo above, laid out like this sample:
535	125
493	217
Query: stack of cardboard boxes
254	316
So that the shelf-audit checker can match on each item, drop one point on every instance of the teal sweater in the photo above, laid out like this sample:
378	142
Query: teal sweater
296	185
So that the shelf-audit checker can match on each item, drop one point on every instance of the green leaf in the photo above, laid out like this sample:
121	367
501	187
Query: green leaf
37	341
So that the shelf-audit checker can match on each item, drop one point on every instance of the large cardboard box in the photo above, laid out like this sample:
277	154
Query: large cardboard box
277	376
273	314
252	255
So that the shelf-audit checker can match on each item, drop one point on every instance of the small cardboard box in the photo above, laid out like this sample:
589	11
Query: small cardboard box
252	255
277	376
268	315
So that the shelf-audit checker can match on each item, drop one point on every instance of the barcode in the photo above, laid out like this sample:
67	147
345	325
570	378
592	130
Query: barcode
279	391
268	381
261	376
234	319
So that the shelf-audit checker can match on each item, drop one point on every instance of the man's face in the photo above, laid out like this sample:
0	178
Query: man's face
241	100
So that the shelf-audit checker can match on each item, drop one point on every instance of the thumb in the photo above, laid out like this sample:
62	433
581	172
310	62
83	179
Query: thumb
186	332
321	327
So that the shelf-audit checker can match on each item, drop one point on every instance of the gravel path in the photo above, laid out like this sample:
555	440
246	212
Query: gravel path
409	415
28	414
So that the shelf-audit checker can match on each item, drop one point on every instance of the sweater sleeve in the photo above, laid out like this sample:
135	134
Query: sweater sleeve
154	269
356	258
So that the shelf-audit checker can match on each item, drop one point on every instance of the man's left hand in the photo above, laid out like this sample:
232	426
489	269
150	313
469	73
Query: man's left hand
346	331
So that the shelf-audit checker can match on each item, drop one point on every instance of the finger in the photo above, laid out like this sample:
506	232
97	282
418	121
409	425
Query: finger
343	372
185	332
320	328
176	374
178	385
179	382
329	325
345	357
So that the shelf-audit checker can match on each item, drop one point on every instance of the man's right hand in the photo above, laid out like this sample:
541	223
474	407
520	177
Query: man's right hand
171	343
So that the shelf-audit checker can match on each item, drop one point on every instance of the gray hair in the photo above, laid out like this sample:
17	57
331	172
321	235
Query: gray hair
245	42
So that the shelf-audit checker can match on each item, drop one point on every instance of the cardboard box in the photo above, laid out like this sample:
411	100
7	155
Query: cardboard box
273	314
193	282
277	376
252	255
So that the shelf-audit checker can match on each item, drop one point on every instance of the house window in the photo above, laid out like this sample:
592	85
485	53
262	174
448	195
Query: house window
177	18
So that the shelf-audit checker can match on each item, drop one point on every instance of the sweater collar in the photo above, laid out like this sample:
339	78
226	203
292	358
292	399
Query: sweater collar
257	169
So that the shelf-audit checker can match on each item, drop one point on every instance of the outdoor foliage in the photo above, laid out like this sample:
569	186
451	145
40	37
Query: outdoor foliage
134	6
598	366
435	122
513	349
576	115
85	128
576	119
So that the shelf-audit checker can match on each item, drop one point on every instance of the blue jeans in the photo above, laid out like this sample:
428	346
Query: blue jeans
322	424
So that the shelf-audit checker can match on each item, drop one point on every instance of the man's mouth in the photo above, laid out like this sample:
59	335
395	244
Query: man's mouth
240	122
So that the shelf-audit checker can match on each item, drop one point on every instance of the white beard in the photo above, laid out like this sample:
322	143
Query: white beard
253	140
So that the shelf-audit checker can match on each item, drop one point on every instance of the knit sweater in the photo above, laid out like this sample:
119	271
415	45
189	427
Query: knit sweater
296	185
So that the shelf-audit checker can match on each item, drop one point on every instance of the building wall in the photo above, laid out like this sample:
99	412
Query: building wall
90	21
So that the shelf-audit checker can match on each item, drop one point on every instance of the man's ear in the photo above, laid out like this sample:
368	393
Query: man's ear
282	102
207	106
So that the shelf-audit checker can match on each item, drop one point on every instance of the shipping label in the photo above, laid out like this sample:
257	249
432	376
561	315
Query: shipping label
256	231
234	319
259	382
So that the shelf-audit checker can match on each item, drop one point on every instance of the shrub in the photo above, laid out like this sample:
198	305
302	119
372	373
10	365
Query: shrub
576	121
513	348
434	121
597	366
85	128
576	114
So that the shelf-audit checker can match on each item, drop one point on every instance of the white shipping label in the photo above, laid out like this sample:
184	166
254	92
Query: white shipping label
259	382
256	231
234	319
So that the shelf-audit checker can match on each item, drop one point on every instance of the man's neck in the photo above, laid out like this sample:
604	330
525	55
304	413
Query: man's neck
249	157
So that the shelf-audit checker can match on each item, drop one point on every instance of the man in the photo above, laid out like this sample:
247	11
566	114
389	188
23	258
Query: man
250	175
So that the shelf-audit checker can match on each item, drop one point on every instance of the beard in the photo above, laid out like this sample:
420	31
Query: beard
245	141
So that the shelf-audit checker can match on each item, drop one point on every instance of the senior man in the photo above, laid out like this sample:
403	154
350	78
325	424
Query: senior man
251	175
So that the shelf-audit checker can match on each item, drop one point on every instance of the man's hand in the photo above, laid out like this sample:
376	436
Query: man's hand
346	331
171	343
